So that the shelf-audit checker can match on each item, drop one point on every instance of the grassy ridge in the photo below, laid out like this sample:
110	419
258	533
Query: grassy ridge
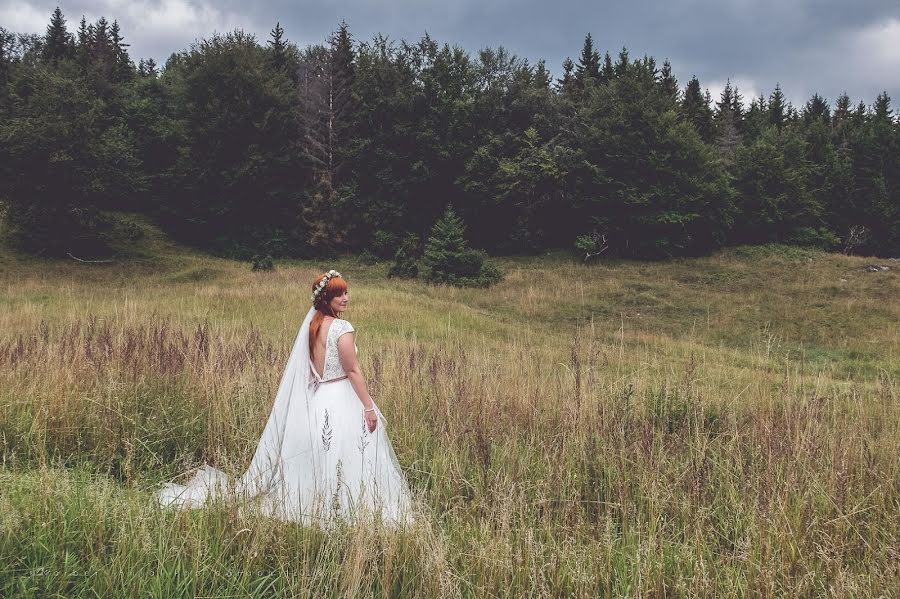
720	426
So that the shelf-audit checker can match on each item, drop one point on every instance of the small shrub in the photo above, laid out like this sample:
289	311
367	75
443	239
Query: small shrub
406	260
368	258
132	231
815	238
262	263
385	244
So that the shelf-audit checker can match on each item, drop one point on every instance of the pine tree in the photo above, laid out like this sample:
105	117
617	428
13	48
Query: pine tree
737	108
343	55
566	83
728	136
608	72
695	108
58	42
101	35
101	55
119	49
82	33
726	100
6	39
278	47
622	64
757	118
147	68
777	108
881	109
542	76
588	67
842	113
668	84
816	110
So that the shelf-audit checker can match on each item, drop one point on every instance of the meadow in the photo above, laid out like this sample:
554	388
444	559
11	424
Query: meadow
722	426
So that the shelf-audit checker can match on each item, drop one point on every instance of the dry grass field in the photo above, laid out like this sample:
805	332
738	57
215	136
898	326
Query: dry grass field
725	426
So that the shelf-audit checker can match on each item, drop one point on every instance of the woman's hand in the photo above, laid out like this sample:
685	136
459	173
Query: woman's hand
371	420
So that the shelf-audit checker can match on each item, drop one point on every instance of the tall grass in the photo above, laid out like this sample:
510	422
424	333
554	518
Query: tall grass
724	426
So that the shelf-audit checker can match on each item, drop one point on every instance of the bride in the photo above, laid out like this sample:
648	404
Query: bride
324	453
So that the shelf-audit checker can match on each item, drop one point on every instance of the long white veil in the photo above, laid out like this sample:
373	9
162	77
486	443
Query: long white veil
262	475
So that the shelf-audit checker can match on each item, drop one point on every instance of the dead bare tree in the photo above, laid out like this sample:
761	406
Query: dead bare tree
858	235
592	244
326	77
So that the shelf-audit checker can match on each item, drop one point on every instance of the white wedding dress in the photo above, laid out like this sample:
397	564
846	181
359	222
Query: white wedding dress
316	462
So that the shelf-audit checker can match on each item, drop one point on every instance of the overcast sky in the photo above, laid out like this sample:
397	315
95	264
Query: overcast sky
824	46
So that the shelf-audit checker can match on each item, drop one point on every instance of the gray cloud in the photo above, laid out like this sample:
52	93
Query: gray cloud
824	46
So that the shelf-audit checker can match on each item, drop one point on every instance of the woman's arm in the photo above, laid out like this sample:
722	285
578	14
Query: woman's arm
347	355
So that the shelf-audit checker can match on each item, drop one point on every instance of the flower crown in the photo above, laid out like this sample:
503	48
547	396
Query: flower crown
323	284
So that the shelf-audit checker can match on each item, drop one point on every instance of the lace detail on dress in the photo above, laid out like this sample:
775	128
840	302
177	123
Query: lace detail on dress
333	368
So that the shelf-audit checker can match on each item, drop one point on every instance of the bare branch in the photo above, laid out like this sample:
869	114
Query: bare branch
88	261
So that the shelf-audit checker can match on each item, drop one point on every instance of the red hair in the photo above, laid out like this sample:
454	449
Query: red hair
335	287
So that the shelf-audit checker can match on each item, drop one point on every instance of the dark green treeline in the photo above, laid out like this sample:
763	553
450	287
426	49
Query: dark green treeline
242	147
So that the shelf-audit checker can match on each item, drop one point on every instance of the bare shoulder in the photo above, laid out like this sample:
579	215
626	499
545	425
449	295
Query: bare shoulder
325	326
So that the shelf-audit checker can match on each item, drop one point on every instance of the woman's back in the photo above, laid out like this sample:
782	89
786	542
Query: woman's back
325	357
320	345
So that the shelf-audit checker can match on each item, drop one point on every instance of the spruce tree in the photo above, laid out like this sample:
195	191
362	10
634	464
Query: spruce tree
542	76
82	31
842	112
449	259
757	118
726	100
343	55
727	134
608	72
777	108
101	56
5	39
695	108
566	83
588	67
101	35
58	42
83	41
737	107
668	84
277	47
622	64
881	109
816	110
123	67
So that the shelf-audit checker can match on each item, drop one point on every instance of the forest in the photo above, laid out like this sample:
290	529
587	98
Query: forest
242	147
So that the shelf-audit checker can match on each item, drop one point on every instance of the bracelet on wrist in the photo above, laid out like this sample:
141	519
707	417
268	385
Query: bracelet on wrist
372	409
